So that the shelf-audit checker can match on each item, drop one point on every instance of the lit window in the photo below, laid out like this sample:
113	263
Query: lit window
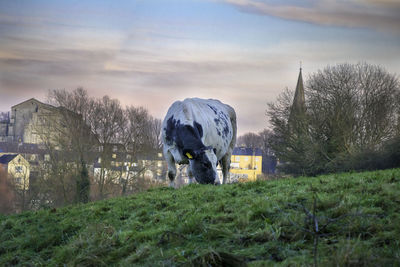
114	156
47	157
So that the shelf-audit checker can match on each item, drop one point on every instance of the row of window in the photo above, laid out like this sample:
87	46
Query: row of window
237	158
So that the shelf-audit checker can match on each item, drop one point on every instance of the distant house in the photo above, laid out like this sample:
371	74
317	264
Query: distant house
122	165
246	163
18	168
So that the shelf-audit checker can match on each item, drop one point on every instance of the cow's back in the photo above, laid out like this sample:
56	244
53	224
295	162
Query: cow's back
215	119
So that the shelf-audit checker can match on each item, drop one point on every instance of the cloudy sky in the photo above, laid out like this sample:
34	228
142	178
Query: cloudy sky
152	52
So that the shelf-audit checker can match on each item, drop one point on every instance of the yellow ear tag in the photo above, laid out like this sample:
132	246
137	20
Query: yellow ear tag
188	155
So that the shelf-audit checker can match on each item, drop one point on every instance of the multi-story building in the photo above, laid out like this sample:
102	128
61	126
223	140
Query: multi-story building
27	122
246	164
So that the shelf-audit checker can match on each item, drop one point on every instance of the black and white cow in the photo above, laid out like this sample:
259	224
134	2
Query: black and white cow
201	133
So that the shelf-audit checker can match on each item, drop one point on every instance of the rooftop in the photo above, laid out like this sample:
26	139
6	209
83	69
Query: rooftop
246	151
5	159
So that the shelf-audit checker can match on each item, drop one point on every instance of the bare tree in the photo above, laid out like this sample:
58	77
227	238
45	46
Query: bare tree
7	195
353	107
155	134
108	124
251	140
265	136
64	130
350	109
142	139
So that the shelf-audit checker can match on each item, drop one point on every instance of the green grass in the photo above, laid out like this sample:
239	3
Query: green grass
259	224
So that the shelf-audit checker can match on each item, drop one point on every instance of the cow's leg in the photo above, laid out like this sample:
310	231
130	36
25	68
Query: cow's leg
190	175
225	165
226	160
171	168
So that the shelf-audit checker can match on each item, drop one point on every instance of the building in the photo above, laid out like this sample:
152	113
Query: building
122	165
27	122
246	164
18	168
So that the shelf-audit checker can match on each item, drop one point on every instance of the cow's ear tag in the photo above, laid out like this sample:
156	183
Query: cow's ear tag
188	155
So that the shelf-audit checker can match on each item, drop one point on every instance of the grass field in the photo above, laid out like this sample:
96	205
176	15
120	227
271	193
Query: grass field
348	219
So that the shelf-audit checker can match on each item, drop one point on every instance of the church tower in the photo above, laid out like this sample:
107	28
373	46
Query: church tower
298	108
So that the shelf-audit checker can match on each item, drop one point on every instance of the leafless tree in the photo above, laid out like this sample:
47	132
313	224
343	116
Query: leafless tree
64	130
7	195
109	125
350	108
353	107
79	130
142	139
251	140
265	136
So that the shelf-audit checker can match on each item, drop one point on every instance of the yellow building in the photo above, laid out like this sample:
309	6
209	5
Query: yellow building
18	168
246	164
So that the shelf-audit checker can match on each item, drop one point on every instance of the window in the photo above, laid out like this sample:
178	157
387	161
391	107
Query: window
18	169
246	158
114	156
235	165
47	157
237	158
257	159
115	148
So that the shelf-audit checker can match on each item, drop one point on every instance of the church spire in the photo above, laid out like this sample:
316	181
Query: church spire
299	104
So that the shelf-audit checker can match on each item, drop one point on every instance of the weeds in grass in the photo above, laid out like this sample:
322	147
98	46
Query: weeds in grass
316	225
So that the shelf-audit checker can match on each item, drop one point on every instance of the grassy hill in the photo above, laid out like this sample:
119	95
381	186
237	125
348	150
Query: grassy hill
339	219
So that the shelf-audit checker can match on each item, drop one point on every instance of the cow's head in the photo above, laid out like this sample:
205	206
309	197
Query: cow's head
203	164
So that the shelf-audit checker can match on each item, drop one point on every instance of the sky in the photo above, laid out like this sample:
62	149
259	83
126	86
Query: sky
151	53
